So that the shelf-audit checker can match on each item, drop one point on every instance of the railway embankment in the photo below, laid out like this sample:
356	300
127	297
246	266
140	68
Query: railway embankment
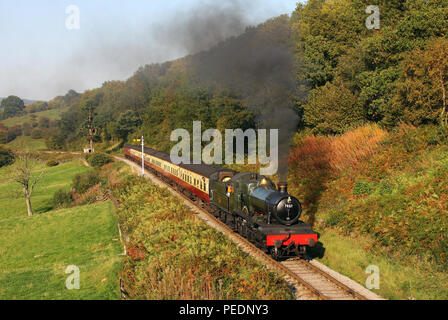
173	255
379	201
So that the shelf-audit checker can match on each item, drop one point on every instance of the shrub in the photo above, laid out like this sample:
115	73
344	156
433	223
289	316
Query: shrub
52	163
6	157
62	199
99	159
90	196
36	133
361	188
385	189
334	218
435	135
84	181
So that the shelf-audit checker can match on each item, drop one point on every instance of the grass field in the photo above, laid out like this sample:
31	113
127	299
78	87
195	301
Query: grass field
53	114
400	278
23	142
36	251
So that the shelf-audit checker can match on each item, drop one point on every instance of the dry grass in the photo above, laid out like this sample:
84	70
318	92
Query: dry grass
352	148
340	152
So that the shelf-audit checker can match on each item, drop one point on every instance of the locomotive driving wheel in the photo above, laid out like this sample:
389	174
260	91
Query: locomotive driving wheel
275	253
246	211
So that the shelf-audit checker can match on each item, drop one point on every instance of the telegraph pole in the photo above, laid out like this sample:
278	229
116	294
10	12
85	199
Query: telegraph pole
92	130
143	156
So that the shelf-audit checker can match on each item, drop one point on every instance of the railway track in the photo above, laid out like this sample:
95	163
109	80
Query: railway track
308	281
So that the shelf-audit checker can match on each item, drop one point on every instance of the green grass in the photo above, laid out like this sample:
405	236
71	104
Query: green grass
12	203
24	142
36	251
400	278
53	114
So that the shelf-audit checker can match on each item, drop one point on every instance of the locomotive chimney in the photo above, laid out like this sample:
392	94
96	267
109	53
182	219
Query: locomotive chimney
283	187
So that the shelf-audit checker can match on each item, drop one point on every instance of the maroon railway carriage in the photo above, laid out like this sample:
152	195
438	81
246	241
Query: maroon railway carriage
247	202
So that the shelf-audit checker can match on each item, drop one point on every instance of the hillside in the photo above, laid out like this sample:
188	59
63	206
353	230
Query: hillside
31	131
37	250
379	198
54	114
320	69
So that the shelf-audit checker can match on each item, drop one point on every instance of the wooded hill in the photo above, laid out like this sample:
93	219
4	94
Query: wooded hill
343	75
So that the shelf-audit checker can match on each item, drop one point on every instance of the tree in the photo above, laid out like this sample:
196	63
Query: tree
55	139
6	157
13	106
332	109
44	123
3	134
26	129
23	175
422	93
127	123
36	133
437	59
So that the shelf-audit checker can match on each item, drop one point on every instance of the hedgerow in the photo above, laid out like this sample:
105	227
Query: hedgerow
99	159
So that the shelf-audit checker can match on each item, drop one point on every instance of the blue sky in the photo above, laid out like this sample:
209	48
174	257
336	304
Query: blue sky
40	58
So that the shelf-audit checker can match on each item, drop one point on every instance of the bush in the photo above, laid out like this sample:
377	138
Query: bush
435	135
6	157
334	218
99	159
385	189
361	188
62	199
92	195
36	133
84	181
52	163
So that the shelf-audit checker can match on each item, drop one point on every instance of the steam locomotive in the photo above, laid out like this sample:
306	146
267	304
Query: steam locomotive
247	202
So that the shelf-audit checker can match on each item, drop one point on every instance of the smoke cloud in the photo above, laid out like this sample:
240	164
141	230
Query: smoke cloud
260	65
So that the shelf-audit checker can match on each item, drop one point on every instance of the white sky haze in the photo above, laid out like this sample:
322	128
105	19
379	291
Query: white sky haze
40	58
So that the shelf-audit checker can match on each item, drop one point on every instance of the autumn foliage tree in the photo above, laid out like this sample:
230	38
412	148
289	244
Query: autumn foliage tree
335	114
423	92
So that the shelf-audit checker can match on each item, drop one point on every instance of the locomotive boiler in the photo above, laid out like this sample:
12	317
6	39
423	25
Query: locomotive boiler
285	208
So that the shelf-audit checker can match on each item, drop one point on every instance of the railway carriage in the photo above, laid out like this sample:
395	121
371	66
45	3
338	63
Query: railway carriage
247	202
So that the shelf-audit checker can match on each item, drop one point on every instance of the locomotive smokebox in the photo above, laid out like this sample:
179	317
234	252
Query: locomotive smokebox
283	187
